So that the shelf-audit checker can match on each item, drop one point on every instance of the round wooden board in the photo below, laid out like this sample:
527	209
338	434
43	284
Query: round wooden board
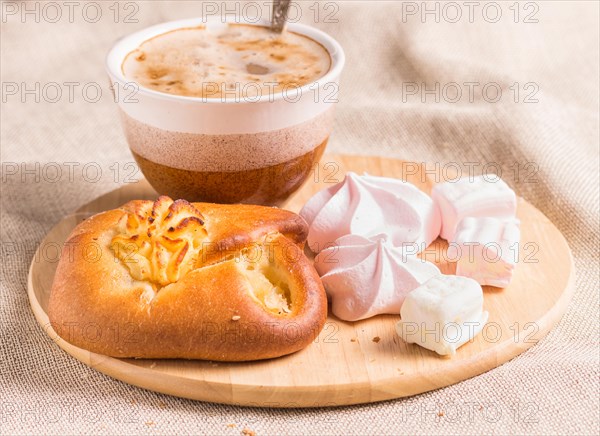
345	365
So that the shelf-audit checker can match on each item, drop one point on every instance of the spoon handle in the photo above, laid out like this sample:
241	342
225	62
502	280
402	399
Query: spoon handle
280	9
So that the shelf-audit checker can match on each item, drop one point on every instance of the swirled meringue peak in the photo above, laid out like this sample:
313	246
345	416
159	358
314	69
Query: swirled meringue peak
367	277
367	206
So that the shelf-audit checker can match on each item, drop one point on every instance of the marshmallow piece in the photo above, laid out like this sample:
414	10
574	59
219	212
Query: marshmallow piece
369	205
477	197
442	314
366	277
487	249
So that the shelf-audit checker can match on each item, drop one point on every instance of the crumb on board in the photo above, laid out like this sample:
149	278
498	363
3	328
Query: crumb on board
150	423
353	340
248	432
232	425
376	339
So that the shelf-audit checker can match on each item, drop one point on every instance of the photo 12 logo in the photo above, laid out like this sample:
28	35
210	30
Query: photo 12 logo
469	92
470	11
67	92
69	11
69	172
257	11
468	412
252	92
62	411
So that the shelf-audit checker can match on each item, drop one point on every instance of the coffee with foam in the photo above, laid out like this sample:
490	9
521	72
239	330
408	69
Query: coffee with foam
226	61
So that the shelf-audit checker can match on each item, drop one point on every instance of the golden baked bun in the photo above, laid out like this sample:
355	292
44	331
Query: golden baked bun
172	279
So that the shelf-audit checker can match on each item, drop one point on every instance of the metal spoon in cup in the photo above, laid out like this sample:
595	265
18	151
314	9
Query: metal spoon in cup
279	16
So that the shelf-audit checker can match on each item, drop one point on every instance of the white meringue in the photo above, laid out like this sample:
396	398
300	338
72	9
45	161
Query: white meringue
473	197
443	314
367	206
366	277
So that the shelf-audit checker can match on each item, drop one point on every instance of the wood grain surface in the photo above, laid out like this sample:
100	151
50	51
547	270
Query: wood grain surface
345	365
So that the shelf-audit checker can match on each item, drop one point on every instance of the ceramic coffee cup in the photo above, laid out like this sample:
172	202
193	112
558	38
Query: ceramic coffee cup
258	149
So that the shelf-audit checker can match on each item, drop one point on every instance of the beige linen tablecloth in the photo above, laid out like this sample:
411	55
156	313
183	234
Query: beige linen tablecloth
548	130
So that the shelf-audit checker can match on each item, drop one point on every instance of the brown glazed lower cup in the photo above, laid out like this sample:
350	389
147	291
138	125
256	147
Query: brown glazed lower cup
257	150
269	181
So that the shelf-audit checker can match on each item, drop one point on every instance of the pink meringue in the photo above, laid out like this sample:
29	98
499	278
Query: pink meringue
482	196
367	206
486	249
366	277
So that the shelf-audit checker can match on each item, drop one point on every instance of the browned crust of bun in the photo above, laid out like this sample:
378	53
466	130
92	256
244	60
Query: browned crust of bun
233	227
209	313
248	222
244	223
